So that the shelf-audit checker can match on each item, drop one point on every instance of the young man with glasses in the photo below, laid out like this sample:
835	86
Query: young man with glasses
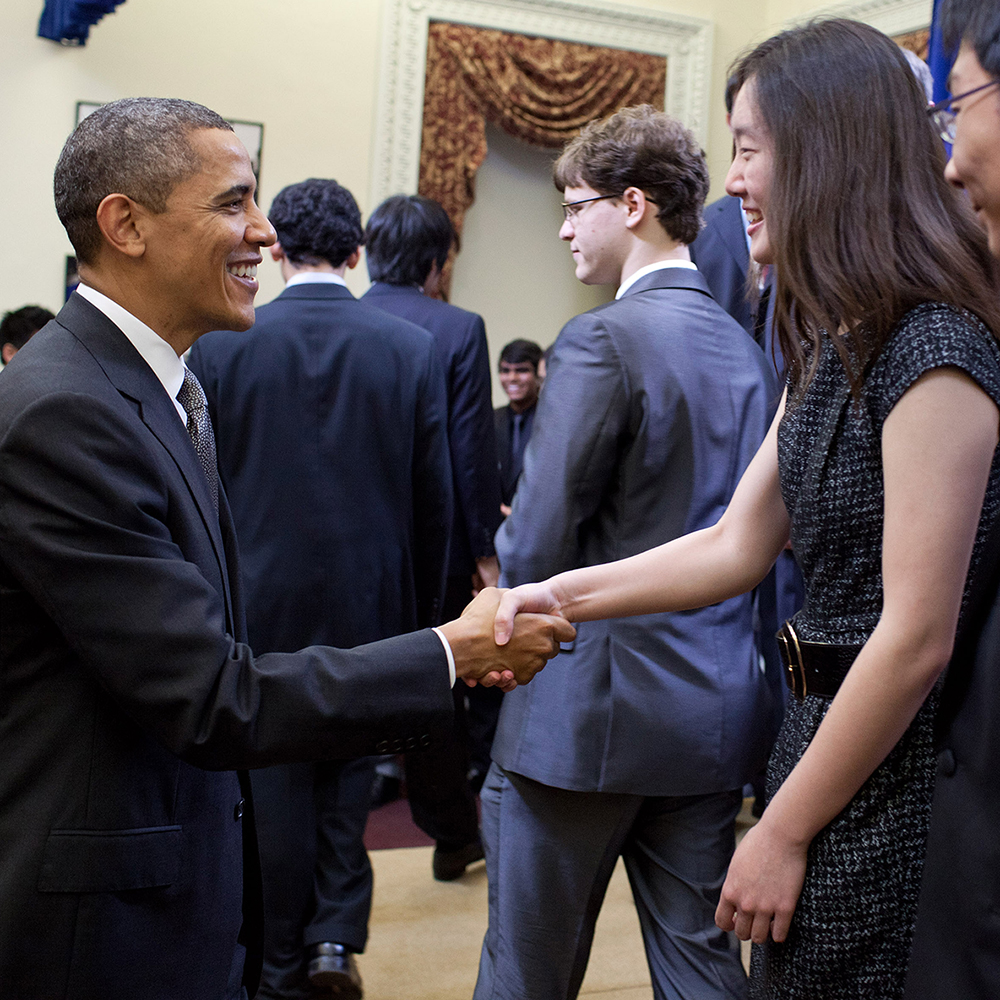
653	406
956	946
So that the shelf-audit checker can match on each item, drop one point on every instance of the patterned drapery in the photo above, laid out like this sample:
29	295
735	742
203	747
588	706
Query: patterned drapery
540	90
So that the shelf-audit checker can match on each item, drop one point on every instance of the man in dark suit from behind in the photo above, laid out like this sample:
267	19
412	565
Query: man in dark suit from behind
407	241
330	421
131	701
956	943
521	381
653	406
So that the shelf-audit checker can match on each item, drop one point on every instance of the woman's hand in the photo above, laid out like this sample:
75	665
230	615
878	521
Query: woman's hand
763	885
539	597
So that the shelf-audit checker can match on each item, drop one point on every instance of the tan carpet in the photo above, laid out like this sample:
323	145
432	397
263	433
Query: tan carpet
425	936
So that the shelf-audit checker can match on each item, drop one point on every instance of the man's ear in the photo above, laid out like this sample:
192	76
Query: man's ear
7	352
277	254
120	220
638	206
352	261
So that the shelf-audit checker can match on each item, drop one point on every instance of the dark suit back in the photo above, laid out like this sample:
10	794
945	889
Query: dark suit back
723	258
330	421
129	696
460	338
652	408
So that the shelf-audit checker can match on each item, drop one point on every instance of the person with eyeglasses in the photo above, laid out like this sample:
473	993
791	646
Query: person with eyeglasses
653	405
956	946
881	468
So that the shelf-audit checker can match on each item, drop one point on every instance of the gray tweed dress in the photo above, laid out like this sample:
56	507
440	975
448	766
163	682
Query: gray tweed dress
850	936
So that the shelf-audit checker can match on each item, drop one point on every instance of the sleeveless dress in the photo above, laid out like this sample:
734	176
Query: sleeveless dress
851	932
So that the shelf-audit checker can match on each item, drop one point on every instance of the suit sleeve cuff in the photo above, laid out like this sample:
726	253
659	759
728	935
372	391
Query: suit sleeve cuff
448	653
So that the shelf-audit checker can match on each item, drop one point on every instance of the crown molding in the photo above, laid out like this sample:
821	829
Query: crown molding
685	42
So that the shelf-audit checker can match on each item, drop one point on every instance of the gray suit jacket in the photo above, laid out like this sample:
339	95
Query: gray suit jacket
653	407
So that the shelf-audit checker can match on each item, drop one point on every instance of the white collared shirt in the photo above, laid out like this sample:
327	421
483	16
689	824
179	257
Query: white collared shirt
315	278
155	351
649	269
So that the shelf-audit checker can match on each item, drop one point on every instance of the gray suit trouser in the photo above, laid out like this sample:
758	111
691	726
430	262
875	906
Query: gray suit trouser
550	854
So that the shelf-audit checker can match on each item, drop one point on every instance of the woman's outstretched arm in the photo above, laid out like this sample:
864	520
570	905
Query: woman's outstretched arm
692	571
937	445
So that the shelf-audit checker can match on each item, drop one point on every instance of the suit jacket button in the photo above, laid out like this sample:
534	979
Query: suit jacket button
382	747
238	811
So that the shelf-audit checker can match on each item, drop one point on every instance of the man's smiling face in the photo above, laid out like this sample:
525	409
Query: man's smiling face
975	157
205	247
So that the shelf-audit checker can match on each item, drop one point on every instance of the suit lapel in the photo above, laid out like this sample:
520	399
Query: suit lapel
136	381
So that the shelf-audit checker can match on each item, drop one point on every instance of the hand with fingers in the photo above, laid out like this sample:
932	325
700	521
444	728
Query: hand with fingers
532	640
763	885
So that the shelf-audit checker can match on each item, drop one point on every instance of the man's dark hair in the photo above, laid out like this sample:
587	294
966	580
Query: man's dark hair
519	352
19	325
644	148
978	23
405	237
317	221
137	147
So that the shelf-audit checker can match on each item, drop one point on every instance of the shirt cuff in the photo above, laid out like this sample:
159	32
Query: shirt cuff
448	653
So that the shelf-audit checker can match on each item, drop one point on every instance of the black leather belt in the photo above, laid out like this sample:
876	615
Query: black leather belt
813	667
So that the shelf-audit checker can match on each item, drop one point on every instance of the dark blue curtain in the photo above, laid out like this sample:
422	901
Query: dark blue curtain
70	20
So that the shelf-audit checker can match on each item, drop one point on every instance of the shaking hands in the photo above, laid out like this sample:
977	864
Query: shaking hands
529	642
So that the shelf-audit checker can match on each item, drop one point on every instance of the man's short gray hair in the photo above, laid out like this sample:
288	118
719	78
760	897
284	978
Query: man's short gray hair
138	147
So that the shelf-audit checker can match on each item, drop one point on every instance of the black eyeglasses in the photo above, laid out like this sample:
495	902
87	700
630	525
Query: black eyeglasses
571	209
944	118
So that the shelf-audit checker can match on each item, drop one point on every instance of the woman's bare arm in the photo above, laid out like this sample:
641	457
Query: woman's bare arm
938	444
692	571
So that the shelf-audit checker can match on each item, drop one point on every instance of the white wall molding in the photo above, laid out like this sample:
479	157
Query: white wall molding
686	42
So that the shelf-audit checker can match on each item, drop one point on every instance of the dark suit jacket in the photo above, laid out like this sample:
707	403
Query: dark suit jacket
956	945
330	422
460	337
652	408
721	253
129	697
501	426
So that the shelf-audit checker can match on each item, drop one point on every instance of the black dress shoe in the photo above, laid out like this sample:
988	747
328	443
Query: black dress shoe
332	967
450	865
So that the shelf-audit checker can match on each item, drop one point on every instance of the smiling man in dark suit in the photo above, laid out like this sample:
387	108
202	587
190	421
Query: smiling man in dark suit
653	406
331	425
129	695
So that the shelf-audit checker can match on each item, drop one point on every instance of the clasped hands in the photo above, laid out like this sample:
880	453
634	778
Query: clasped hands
486	654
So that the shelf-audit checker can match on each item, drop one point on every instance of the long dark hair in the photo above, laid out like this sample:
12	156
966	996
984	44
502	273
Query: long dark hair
862	223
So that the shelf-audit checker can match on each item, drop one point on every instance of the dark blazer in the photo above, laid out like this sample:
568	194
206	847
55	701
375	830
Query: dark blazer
956	945
330	420
460	337
129	695
501	426
652	408
721	253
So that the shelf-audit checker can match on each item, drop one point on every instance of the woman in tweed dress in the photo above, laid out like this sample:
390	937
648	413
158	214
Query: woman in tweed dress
880	467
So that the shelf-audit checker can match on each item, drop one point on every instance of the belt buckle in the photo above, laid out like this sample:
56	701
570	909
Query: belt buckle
788	643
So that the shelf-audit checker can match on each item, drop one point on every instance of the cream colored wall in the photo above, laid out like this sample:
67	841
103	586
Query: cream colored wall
307	70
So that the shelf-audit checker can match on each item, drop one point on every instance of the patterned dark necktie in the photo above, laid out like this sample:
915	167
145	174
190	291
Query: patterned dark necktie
192	397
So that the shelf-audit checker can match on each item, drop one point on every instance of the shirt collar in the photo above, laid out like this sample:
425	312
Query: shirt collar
649	269
155	351
315	278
